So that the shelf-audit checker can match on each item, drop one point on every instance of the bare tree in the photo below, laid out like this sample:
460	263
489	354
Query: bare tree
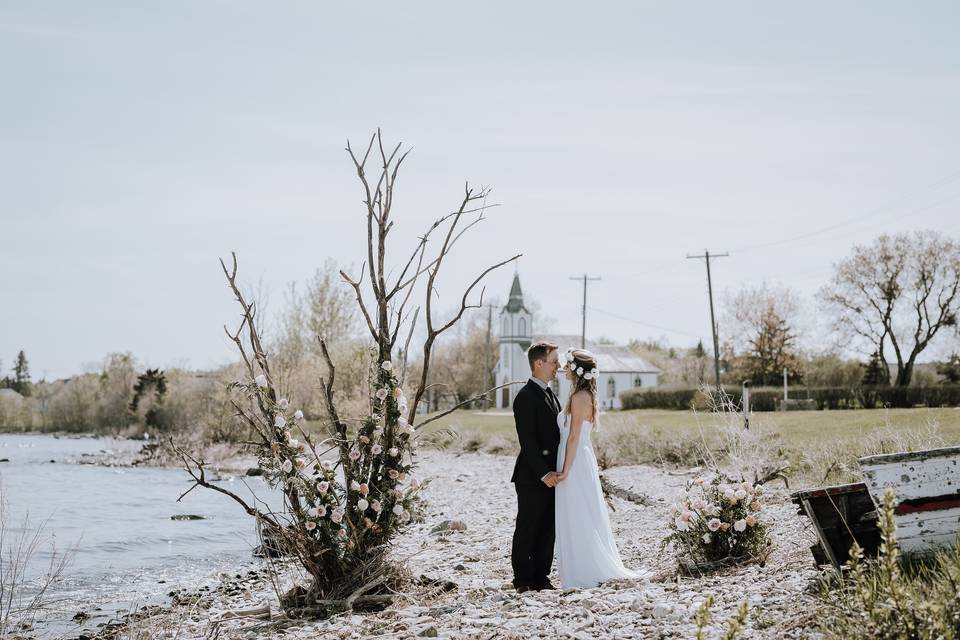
340	514
901	290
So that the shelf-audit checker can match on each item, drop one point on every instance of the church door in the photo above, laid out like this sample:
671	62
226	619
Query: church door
505	397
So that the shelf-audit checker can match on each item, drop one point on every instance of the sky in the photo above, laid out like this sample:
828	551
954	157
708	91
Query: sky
143	141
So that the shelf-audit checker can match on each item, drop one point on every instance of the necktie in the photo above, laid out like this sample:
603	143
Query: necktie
553	399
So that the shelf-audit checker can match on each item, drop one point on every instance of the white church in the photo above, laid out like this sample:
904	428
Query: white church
620	368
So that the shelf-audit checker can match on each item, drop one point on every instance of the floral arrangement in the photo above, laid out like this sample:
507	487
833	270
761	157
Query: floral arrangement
716	521
347	505
570	362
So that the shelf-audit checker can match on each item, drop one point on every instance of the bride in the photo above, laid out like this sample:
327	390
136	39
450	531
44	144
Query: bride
586	551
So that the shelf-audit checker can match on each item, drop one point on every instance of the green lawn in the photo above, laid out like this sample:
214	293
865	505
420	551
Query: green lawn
821	446
795	427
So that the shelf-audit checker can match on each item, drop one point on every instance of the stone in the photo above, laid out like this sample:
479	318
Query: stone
449	525
661	610
429	631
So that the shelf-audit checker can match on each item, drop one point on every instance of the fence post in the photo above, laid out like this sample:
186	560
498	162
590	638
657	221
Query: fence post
745	404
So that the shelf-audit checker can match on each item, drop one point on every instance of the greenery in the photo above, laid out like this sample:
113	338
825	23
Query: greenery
885	598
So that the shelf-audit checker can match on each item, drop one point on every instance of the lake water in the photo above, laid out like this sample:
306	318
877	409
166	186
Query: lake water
126	549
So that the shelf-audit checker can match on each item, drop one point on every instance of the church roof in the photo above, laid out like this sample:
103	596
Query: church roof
611	358
515	303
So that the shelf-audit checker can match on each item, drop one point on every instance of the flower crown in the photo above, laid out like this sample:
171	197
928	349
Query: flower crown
571	362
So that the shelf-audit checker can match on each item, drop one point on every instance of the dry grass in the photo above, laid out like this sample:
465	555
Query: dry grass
25	587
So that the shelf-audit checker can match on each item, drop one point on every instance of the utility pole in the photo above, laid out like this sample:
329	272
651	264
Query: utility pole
488	368
583	327
713	322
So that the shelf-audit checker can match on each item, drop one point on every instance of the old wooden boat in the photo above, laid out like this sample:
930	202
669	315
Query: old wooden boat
926	485
840	515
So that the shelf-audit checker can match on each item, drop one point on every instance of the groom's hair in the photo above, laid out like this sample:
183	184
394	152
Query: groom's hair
539	351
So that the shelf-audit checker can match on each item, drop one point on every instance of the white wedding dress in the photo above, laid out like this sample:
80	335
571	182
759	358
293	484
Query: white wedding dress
586	551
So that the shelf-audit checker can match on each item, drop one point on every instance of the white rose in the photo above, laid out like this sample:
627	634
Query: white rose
595	372
402	406
294	443
298	415
681	525
393	473
713	524
336	515
261	380
755	505
326	465
322	487
588	376
386	365
321	511
740	525
287	466
354	454
393	452
362	504
283	403
376	506
310	525
398	508
740	493
381	394
280	422
579	371
313	512
751	520
376	449
354	485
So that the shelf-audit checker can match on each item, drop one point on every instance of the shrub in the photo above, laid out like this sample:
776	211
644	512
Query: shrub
717	522
768	399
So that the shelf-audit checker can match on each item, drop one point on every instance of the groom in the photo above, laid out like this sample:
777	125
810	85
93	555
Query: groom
535	410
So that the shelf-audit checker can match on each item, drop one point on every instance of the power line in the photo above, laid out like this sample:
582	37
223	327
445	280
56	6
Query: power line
643	324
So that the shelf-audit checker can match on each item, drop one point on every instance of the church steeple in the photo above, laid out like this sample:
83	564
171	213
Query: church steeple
515	303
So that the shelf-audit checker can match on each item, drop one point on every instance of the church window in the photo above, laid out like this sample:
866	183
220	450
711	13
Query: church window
611	387
638	381
523	327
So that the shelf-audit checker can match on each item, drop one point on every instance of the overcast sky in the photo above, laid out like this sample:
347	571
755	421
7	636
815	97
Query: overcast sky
141	141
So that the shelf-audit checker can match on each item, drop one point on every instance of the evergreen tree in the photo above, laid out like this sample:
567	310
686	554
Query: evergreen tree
21	375
876	372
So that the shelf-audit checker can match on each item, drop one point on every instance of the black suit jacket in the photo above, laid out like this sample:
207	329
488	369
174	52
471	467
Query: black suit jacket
536	419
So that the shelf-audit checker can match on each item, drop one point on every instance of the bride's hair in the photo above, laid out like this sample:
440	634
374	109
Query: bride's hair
587	362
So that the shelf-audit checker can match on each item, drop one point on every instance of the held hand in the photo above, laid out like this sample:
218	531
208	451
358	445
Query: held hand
550	479
560	477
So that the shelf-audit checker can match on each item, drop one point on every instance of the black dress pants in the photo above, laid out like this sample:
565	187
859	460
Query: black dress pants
532	553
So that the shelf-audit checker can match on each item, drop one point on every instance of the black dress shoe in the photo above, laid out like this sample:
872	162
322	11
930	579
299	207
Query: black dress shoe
523	588
546	586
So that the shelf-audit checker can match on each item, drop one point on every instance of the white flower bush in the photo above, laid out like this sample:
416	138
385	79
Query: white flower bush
718	521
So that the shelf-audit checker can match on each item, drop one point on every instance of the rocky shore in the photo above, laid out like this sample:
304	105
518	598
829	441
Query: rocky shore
473	488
